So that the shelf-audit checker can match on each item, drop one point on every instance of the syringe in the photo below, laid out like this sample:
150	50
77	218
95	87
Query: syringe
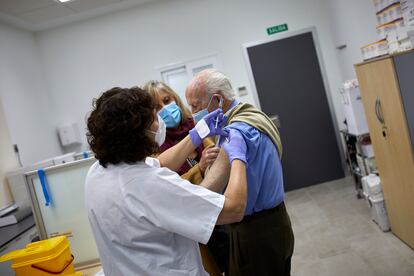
217	121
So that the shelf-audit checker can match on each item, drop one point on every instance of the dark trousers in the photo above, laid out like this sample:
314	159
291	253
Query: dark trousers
262	244
219	248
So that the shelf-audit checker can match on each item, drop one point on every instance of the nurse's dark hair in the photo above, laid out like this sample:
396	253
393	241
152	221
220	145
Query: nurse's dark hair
117	126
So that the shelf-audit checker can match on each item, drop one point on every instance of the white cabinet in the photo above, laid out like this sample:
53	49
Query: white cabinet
354	109
66	214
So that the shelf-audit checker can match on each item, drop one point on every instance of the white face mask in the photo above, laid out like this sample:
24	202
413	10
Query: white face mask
161	132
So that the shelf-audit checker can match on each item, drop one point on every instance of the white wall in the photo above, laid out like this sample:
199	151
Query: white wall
123	49
353	22
7	159
49	78
23	92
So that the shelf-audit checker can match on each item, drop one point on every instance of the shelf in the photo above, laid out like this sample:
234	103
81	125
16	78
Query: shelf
366	157
394	3
344	131
357	173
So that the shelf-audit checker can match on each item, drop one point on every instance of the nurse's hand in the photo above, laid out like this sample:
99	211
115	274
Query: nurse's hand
211	125
236	147
208	157
216	120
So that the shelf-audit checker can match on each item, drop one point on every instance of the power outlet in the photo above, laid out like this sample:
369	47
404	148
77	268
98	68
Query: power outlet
242	91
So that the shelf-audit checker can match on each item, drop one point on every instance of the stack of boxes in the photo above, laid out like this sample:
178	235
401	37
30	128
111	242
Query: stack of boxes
376	49
357	126
395	28
407	7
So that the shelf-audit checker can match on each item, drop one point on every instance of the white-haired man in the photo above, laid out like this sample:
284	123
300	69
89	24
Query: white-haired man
262	243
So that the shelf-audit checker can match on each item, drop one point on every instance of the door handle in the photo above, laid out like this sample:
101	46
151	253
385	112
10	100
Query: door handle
378	111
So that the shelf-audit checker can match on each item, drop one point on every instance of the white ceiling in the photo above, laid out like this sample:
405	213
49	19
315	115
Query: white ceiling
38	15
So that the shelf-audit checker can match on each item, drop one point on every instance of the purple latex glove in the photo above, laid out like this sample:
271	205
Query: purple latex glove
236	147
207	127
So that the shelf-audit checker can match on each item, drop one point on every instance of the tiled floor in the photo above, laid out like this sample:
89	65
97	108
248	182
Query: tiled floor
335	235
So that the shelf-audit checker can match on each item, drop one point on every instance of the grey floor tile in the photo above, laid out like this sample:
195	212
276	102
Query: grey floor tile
367	245
388	264
347	264
327	241
334	235
353	225
308	213
402	248
305	248
297	197
306	267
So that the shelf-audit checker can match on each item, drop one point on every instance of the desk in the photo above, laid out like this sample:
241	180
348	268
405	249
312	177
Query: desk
9	233
14	237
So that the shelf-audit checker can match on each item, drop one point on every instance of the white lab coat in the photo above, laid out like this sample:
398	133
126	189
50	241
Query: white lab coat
147	220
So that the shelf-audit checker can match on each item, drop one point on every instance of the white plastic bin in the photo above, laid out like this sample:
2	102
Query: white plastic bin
371	185
379	212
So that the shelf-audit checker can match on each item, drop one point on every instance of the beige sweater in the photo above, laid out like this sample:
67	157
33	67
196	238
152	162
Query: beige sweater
249	114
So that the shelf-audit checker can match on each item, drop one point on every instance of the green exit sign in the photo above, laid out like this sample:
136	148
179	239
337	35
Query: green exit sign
277	29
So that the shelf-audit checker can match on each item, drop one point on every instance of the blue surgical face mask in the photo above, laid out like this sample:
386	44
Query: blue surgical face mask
171	114
200	115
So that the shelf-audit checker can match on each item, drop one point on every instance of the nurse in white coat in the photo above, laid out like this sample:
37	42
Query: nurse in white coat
145	218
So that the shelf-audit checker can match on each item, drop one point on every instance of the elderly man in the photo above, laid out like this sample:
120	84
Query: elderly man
262	243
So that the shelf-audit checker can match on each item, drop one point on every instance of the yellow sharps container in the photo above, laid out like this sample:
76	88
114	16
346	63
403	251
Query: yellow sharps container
47	257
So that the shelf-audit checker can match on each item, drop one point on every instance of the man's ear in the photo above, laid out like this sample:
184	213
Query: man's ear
218	98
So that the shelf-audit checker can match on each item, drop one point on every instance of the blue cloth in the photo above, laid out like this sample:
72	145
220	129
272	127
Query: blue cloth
233	104
264	171
44	183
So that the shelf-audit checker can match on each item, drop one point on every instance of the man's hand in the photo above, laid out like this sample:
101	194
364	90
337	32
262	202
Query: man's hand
208	157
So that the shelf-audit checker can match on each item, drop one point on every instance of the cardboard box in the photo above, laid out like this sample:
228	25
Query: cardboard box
407	8
411	37
375	49
390	14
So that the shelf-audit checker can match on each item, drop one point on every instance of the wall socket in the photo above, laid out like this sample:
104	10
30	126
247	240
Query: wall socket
242	91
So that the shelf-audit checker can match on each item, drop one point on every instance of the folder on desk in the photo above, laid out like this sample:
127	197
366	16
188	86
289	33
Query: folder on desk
15	216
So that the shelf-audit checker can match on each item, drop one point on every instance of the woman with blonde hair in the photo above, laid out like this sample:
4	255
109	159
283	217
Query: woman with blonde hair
179	121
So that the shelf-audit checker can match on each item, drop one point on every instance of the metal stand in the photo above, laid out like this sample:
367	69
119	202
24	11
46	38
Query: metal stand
353	150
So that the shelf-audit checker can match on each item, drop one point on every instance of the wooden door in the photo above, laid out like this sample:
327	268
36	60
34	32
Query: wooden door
389	134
